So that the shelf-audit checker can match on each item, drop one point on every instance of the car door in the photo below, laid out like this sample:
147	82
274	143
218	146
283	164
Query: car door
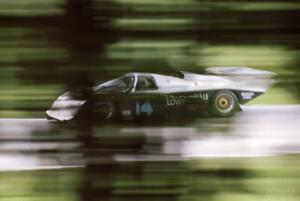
146	99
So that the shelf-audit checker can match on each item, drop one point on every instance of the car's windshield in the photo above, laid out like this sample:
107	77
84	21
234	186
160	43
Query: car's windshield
121	84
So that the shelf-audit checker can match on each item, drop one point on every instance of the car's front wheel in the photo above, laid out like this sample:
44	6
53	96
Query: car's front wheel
104	110
224	103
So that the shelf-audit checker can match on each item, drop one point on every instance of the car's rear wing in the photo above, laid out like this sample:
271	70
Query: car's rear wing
245	77
239	71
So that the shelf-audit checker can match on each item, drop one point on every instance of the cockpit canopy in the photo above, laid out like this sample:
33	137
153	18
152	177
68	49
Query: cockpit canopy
122	84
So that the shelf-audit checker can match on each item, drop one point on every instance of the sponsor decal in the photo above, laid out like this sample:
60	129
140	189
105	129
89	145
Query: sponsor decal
247	95
175	100
126	113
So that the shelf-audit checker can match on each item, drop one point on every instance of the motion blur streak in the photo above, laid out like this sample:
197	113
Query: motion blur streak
171	161
51	46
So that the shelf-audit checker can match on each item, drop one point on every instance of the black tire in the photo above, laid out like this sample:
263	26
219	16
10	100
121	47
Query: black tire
104	110
224	103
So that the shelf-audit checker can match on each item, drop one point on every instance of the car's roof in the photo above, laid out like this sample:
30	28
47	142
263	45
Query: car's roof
179	75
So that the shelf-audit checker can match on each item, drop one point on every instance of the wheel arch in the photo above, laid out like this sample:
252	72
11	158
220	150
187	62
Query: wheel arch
239	98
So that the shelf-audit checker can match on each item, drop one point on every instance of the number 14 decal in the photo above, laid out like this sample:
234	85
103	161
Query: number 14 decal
145	107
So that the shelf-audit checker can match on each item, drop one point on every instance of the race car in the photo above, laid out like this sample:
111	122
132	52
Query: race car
218	92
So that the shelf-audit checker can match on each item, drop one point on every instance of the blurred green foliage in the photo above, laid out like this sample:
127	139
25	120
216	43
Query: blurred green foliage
47	47
50	46
269	178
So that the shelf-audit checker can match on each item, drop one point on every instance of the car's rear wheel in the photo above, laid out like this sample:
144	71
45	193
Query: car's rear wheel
224	103
104	110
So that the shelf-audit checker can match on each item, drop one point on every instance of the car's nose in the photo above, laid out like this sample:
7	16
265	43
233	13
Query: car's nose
64	108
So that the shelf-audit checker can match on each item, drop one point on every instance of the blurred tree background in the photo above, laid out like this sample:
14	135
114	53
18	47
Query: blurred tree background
49	46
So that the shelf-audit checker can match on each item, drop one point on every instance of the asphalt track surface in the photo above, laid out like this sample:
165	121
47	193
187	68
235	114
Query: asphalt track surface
258	131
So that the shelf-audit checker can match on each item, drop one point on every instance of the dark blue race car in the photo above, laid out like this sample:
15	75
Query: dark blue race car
219	92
